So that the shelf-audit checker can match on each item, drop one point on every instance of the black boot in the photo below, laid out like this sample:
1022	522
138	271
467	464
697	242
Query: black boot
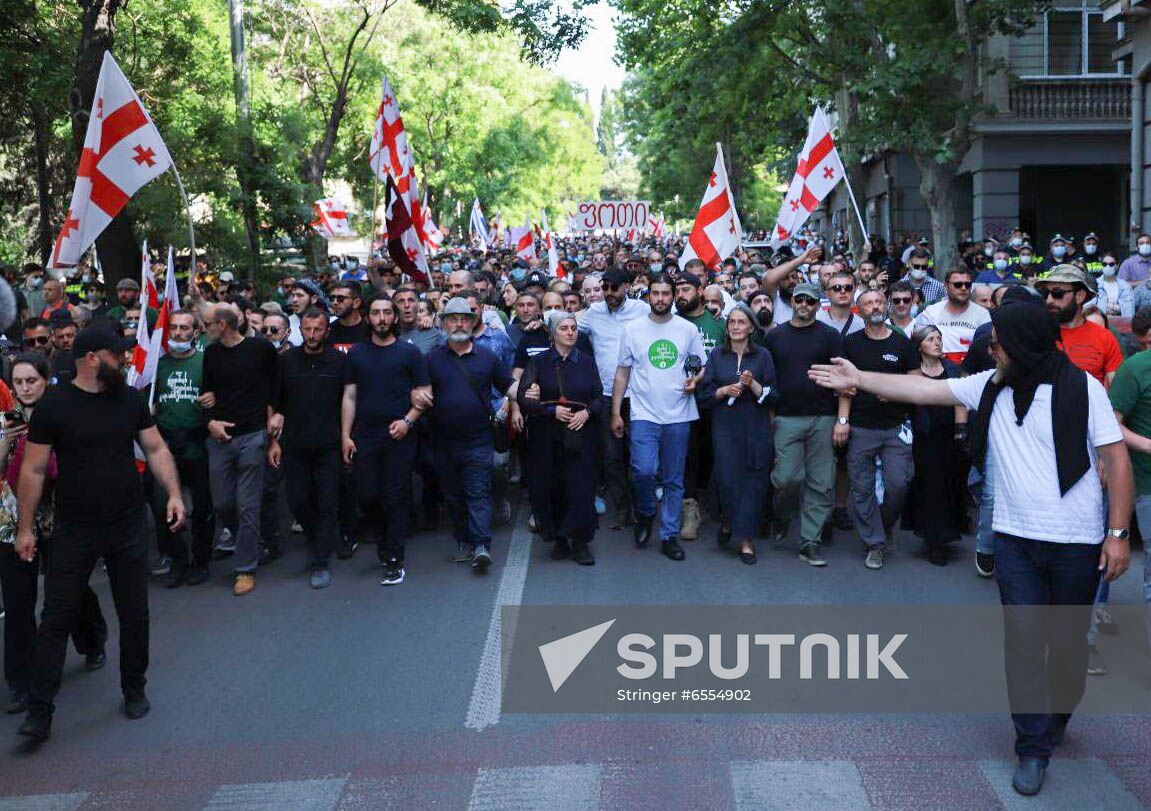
37	726
642	529
561	549
581	554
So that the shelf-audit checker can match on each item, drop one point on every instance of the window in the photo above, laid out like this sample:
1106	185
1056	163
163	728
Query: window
1069	40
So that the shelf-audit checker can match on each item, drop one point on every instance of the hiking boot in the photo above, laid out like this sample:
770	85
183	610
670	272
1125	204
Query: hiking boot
689	520
243	584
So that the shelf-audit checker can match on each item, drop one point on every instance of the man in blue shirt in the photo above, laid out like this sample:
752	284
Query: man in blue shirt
1000	272
463	375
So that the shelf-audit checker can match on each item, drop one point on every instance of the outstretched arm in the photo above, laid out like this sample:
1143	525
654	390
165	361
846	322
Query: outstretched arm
842	375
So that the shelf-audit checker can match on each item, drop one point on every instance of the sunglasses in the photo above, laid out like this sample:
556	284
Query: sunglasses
1058	295
1108	264
804	300
842	288
919	267
613	287
271	330
901	300
960	285
40	340
340	298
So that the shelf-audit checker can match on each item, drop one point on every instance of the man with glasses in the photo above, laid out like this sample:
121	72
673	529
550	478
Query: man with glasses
804	472
841	297
348	326
919	276
902	299
604	322
956	317
37	336
276	329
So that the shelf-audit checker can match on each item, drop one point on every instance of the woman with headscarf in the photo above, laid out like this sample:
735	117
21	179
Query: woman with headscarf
738	388
935	504
560	394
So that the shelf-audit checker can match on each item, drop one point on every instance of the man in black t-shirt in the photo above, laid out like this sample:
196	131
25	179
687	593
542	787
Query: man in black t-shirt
875	429
376	430
90	424
240	374
805	416
348	327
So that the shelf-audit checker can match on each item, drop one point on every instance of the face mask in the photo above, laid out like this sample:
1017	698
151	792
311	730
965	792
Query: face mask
86	278
1059	251
1144	249
989	251
1090	249
276	343
518	274
335	266
1025	258
1110	270
1001	264
919	274
1017	243
36	282
656	267
179	346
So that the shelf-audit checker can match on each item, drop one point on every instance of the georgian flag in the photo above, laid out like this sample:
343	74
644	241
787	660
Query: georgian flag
818	171
717	232
331	218
389	154
149	345
122	152
524	240
402	240
549	241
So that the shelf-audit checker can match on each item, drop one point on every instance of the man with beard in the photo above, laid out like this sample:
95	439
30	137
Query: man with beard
604	323
956	316
304	296
804	472
872	429
240	374
1091	347
1049	433
653	361
90	425
348	326
761	307
462	377
697	472
780	281
309	391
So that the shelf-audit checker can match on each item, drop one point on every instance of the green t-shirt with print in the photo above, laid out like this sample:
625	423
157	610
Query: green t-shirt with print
1130	394
179	384
712	330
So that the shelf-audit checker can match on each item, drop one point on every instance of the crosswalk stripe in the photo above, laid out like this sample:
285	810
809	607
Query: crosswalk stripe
794	785
1070	785
44	802
574	787
299	795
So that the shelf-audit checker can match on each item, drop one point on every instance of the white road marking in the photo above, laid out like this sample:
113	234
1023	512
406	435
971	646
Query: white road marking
794	785
572	787
44	802
1069	784
299	795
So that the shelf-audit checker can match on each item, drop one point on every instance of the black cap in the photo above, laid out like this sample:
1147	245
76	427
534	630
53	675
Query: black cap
689	278
536	277
99	337
617	276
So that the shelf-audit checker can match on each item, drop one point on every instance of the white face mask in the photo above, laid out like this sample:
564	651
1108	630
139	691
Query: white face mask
1025	258
180	346
1145	248
918	274
1001	264
276	343
1090	248
1059	251
1110	270
1017	243
989	251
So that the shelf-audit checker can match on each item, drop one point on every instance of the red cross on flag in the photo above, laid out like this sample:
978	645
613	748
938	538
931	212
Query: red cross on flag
818	172
433	237
717	232
402	239
149	345
122	151
524	240
331	218
389	154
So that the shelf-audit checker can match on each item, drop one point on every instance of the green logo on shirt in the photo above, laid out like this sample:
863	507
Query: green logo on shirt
662	354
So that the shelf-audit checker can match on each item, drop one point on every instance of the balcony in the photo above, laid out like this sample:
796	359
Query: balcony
1071	99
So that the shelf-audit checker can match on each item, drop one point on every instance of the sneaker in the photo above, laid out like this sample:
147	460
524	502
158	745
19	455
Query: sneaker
464	553
136	706
600	506
532	525
95	661
320	578
348	547
1104	621
176	576
1095	666
196	575
874	559
482	559
393	574
243	584
809	554
689	520
225	544
297	527
984	564
841	519
162	566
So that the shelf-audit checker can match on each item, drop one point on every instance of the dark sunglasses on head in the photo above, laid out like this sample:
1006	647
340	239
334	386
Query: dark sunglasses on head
842	288
1056	294
960	285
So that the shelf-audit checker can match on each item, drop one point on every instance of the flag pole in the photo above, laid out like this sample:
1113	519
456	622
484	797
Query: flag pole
191	230
375	203
855	205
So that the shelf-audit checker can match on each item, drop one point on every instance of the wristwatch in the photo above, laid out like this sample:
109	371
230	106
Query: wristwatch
1121	534
841	420
408	422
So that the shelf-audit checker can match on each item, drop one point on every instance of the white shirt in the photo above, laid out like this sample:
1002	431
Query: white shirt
781	313
296	338
605	329
1022	461
825	317
655	353
957	329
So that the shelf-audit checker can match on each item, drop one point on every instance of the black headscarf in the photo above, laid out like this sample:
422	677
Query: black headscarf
1028	335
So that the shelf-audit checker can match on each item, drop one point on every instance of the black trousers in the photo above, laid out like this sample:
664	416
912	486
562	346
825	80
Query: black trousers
270	515
19	581
195	476
697	469
313	478
75	550
383	479
561	481
615	460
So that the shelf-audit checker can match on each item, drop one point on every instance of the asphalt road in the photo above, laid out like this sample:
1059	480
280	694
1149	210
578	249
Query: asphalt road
361	696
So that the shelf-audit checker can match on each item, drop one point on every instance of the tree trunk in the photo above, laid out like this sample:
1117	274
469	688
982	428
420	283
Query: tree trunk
937	187
119	252
43	197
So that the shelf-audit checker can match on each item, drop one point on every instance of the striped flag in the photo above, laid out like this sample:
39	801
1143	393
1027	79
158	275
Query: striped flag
479	226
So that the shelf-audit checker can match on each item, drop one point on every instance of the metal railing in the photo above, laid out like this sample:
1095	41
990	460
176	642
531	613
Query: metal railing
1072	98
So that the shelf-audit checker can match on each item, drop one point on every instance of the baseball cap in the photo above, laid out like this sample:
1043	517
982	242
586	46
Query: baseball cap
99	337
459	306
1059	238
689	278
806	289
1068	274
128	284
537	277
227	276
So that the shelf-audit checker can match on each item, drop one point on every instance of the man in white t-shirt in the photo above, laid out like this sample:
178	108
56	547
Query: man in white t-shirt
661	360
1041	425
956	316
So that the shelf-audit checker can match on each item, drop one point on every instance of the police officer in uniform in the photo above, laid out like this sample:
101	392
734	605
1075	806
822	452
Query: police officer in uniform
1092	255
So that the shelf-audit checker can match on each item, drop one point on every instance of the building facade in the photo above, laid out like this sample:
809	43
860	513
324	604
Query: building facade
1134	50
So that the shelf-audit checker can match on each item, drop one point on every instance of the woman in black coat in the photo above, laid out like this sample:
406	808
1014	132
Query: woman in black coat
738	388
561	396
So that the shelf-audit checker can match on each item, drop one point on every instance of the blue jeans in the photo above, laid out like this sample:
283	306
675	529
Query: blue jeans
981	490
466	479
1045	658
659	455
1143	516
